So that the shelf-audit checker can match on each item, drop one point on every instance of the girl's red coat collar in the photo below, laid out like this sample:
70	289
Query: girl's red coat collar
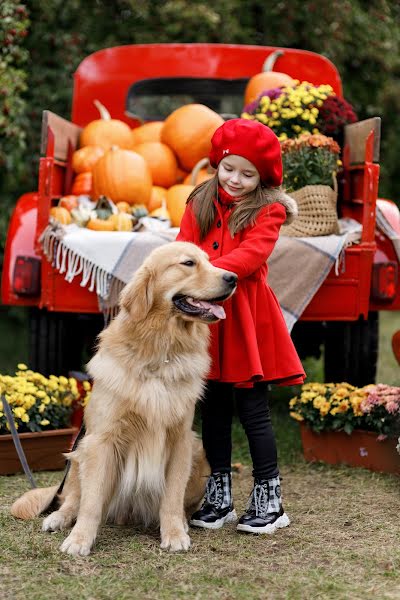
224	198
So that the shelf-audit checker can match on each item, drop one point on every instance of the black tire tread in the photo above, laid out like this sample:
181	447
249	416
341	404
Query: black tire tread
351	350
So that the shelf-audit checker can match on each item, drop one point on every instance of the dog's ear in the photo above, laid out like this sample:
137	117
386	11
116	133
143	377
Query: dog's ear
137	297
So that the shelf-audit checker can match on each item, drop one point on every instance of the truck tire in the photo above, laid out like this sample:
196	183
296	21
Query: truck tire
351	350
61	342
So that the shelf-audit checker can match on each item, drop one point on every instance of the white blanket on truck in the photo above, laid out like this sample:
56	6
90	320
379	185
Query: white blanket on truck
105	261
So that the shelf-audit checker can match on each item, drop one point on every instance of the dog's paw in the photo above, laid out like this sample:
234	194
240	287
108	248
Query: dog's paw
56	521
76	544
175	541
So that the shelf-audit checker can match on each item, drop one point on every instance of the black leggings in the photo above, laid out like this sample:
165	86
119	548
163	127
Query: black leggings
217	409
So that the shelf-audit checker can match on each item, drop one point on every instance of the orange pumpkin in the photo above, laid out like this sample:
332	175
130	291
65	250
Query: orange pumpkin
202	175
60	214
161	212
123	176
149	132
68	202
161	160
82	184
188	131
201	172
105	132
100	225
267	79
121	222
158	194
181	174
84	158
176	202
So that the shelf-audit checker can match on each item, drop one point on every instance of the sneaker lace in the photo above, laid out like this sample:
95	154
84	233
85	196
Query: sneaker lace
214	492
259	499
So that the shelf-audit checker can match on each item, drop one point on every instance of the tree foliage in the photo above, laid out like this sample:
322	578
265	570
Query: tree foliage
360	37
13	120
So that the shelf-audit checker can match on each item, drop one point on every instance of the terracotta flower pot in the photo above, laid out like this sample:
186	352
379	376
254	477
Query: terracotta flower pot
359	449
43	450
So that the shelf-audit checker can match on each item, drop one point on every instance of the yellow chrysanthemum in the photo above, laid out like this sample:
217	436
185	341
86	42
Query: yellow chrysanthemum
297	416
324	408
19	412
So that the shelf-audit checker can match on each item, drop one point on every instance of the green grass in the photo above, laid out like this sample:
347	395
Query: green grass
343	543
13	338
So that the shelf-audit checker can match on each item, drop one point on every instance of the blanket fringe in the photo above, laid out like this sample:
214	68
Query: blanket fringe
65	260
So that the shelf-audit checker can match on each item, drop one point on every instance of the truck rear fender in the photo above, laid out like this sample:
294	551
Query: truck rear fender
20	243
385	270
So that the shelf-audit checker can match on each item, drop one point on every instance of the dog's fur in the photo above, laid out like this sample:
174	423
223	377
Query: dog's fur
139	460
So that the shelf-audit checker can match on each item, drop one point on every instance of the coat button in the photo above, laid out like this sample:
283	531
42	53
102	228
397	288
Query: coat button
219	224
215	245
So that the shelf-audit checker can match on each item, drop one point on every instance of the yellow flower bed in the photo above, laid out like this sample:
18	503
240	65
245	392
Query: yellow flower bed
40	403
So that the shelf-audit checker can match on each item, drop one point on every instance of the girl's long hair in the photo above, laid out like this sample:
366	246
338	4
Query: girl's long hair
245	210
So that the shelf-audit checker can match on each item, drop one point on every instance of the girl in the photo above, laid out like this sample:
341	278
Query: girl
235	217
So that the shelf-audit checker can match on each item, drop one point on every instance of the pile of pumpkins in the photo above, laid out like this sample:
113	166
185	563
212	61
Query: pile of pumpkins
153	168
155	165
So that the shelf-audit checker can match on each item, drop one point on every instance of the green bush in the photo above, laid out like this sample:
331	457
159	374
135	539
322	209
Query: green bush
13	118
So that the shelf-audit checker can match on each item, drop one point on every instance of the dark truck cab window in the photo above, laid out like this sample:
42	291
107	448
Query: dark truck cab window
154	99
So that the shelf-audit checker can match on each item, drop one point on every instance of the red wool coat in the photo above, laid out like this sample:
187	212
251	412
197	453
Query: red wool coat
253	342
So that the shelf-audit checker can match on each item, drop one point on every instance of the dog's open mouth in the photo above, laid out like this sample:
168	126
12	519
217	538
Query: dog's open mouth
208	310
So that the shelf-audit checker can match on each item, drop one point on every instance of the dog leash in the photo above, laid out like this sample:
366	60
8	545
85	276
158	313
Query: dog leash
17	442
21	453
53	504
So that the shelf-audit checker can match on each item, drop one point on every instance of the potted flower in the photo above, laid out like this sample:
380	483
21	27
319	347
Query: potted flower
344	424
289	110
310	163
301	107
43	409
334	114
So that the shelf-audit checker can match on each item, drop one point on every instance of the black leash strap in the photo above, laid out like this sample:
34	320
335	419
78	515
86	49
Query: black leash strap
54	503
78	438
17	443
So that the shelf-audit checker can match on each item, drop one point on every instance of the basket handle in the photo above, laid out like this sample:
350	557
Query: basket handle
334	181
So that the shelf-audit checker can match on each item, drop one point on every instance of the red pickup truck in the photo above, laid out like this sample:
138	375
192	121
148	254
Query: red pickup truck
145	83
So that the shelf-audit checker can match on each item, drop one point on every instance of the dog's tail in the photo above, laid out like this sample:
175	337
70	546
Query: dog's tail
34	502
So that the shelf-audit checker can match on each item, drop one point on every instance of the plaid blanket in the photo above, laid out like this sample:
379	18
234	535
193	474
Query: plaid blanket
298	267
105	262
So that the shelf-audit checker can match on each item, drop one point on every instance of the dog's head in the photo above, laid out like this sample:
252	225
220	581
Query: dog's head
178	277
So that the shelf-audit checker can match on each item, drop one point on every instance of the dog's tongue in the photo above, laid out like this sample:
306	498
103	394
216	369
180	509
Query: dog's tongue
216	309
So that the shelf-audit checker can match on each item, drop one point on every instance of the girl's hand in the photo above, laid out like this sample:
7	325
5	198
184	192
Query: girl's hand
257	244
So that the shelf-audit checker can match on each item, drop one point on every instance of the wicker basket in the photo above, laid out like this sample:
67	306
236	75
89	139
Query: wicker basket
317	212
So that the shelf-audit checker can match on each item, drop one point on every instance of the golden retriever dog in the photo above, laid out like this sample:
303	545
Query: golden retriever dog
139	460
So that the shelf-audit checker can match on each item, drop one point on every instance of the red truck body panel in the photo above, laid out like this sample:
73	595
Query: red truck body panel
107	75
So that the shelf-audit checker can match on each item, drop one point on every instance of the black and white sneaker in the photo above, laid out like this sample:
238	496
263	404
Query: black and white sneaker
264	512
217	508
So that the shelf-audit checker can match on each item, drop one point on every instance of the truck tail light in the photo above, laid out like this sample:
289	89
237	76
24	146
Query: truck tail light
384	281
26	276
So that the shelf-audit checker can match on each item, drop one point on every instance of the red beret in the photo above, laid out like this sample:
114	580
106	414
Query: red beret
252	140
